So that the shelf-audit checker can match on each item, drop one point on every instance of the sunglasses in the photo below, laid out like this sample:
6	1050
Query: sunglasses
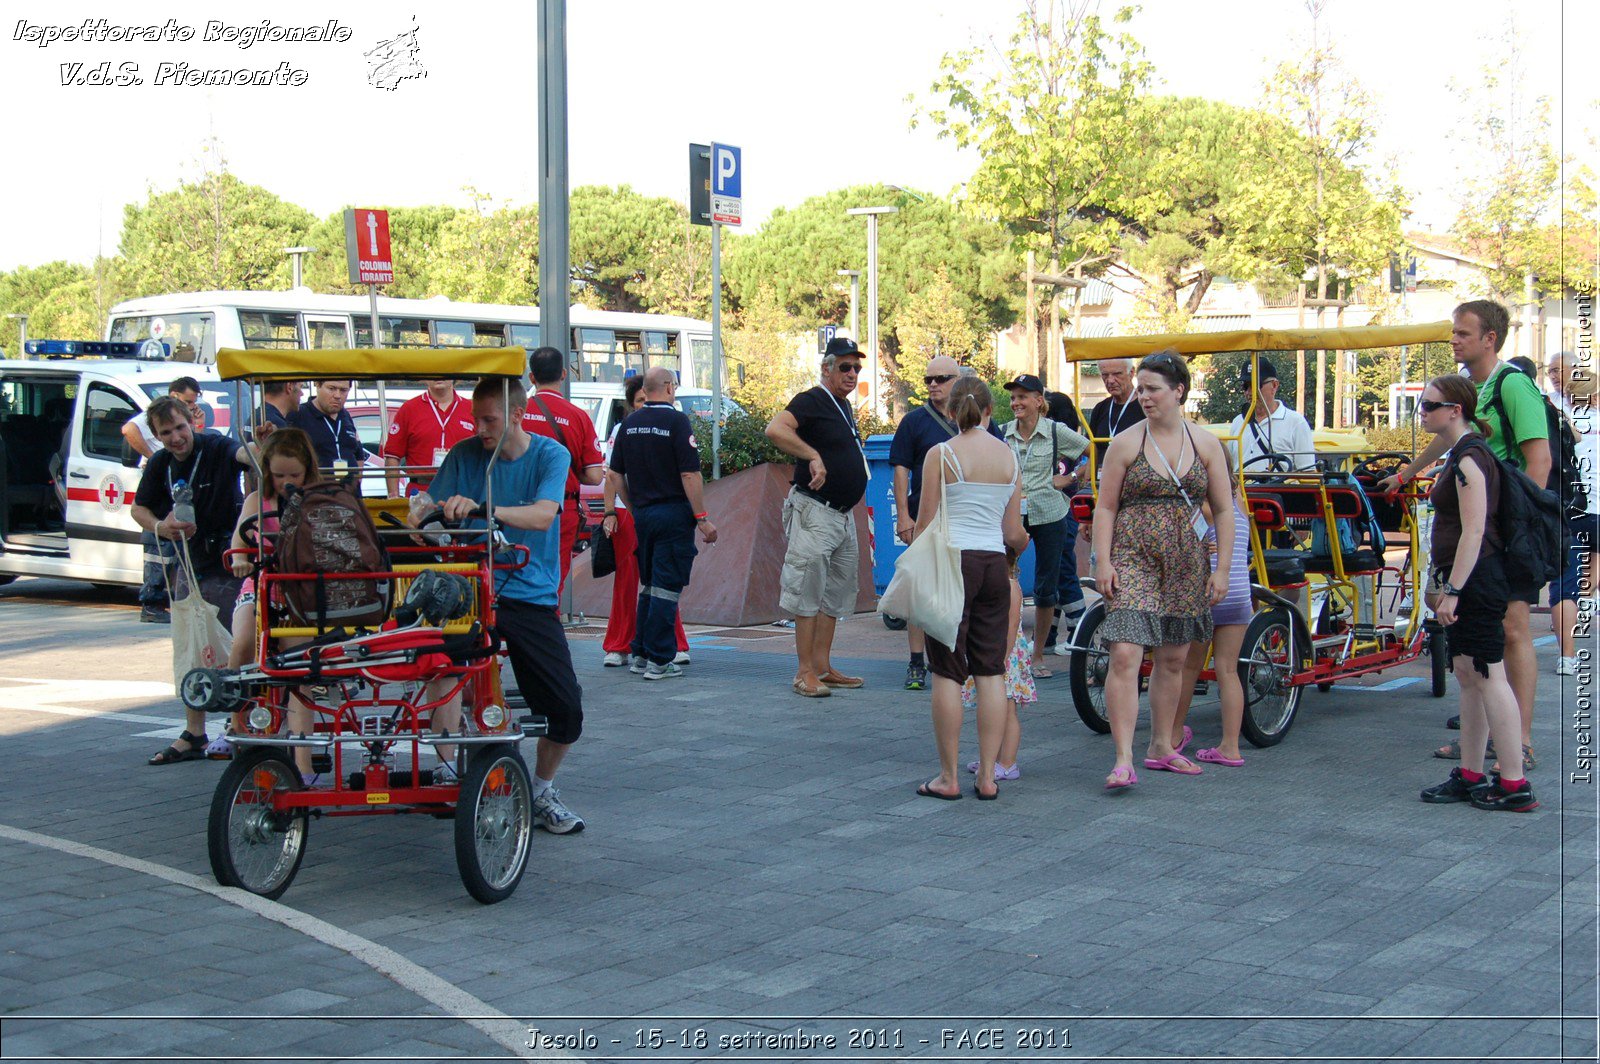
1429	406
939	378
847	367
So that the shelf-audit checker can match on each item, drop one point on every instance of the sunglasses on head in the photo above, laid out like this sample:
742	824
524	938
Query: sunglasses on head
939	378
847	367
1429	406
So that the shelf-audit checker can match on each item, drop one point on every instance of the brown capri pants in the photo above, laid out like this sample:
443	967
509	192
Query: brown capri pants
980	648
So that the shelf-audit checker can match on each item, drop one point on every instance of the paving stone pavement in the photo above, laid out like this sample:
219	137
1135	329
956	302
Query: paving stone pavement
761	858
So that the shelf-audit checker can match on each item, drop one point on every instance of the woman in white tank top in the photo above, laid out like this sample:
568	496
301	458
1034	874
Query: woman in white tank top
978	474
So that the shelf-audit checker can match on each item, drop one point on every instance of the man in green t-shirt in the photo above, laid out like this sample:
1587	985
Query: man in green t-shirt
1478	331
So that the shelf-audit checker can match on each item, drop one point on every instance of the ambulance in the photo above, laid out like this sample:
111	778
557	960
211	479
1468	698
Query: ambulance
67	476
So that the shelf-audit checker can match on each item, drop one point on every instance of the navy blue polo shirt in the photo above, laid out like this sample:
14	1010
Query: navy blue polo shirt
655	447
333	438
919	432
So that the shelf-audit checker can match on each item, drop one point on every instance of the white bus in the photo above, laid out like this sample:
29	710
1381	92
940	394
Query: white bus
605	345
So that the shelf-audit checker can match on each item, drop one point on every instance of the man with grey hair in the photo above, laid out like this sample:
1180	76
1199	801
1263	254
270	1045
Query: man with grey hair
655	469
1119	409
820	582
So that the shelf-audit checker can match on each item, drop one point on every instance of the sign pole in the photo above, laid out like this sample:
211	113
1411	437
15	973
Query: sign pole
377	341
716	350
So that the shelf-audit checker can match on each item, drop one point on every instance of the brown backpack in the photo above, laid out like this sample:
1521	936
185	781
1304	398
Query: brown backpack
325	529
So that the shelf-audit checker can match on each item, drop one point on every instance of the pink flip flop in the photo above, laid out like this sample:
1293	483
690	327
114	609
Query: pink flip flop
1173	763
1212	756
1188	737
1121	777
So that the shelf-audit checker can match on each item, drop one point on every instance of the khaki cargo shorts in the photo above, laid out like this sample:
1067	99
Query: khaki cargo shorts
819	568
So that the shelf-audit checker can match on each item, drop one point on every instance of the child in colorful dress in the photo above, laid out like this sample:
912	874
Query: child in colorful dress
1019	684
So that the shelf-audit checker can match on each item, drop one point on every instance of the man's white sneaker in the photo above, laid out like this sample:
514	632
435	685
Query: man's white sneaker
682	658
637	663
615	661
550	814
444	773
1566	666
669	671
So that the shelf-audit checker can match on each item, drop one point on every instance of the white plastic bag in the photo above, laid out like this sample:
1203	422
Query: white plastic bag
198	638
927	589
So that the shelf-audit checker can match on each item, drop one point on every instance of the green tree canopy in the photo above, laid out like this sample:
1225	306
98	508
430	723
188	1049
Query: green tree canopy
63	301
218	232
488	255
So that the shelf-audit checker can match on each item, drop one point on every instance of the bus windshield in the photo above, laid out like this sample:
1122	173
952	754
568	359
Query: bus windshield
193	336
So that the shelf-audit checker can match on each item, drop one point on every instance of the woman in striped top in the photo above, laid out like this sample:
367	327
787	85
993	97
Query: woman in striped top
1229	619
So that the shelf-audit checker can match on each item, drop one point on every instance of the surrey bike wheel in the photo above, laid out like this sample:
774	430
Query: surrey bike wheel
494	823
253	846
1087	670
1265	668
1438	656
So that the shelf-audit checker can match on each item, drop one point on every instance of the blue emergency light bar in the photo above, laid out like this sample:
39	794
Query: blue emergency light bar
148	350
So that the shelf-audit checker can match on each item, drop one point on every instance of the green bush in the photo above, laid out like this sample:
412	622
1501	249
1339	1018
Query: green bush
744	442
1397	439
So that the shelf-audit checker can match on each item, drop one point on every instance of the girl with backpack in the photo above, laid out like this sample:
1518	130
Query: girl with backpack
1470	576
287	460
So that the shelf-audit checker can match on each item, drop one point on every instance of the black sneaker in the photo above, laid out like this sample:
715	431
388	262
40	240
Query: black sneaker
1493	797
153	615
1454	789
916	677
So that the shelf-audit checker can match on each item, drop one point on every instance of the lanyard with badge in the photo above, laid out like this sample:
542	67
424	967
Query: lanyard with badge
443	449
855	433
1112	427
1197	520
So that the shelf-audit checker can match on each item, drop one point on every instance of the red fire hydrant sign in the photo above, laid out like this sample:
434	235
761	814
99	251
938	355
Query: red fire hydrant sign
366	246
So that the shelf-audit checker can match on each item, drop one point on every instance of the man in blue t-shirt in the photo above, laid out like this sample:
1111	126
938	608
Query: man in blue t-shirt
529	482
655	467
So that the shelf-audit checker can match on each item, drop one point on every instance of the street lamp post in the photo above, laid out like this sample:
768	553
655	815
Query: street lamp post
296	254
855	299
871	214
22	334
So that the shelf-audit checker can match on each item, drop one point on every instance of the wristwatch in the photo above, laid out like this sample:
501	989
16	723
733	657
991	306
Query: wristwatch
1451	589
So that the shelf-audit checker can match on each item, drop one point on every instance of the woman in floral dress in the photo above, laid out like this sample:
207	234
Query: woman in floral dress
1150	562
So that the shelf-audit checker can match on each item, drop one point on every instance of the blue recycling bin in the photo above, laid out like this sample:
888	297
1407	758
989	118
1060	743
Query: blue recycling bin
881	517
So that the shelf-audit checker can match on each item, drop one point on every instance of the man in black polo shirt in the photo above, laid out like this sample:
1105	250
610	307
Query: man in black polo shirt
655	467
332	430
208	465
1120	408
818	428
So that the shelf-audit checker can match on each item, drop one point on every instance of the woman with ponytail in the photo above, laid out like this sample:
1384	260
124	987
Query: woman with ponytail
980	488
1470	577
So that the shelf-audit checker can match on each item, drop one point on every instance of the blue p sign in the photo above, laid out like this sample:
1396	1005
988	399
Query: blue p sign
726	177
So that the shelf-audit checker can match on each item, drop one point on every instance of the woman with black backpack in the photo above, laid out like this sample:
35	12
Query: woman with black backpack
1469	575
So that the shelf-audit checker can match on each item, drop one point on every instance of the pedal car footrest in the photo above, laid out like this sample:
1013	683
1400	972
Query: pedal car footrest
534	725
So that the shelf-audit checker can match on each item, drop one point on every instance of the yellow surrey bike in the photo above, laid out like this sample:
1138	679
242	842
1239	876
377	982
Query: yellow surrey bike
1329	603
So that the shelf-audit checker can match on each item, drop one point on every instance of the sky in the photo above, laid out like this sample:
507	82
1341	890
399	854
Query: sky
814	94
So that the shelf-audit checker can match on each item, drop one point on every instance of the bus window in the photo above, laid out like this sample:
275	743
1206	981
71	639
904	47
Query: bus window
606	355
324	334
267	330
193	336
396	332
488	334
524	336
452	334
700	359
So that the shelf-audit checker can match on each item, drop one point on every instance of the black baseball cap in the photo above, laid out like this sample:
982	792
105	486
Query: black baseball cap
1267	371
840	346
1027	382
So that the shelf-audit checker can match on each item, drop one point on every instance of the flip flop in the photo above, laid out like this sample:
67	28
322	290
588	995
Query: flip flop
1188	737
1171	763
928	792
1039	671
1450	751
1121	777
1212	756
819	691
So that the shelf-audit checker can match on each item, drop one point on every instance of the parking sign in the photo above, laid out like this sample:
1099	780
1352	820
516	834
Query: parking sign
727	184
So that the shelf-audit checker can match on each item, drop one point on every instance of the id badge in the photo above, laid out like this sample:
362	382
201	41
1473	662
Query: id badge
438	456
1024	506
1198	522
